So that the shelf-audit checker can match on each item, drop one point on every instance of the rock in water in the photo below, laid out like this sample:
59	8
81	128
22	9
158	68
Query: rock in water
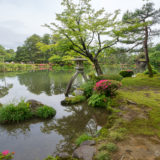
34	104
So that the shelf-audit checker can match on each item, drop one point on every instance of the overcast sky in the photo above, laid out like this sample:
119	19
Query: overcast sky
20	19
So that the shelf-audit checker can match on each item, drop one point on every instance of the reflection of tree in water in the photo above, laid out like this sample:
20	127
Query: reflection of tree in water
45	81
83	119
36	82
20	128
5	89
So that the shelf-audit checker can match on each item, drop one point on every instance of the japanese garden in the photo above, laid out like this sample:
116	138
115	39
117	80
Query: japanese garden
88	90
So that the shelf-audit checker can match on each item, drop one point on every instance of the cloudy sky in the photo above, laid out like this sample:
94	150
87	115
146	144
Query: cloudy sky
22	18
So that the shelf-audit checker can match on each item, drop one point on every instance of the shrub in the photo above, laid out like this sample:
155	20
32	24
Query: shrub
50	158
82	138
98	100
107	87
73	100
126	73
153	70
45	112
88	88
12	113
103	156
116	77
6	155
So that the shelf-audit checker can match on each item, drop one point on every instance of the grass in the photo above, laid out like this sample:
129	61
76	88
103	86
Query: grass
73	100
82	138
142	80
12	113
149	98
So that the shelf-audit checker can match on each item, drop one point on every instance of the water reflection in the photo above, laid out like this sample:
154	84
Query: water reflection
83	119
45	81
55	135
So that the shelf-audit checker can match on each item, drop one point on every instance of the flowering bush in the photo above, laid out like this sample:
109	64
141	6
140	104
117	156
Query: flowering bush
126	73
107	87
6	155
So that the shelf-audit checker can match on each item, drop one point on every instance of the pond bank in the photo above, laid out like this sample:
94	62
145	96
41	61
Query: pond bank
132	130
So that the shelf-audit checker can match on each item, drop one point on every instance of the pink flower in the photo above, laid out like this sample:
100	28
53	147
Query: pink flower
5	152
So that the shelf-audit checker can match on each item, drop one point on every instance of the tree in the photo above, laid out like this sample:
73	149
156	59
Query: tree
140	29
86	29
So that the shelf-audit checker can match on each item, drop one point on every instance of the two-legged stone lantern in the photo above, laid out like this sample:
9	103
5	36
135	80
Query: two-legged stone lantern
79	70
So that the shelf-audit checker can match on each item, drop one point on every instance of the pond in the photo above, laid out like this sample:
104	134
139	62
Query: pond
35	140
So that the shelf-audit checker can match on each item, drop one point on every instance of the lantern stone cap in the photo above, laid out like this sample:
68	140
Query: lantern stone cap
79	59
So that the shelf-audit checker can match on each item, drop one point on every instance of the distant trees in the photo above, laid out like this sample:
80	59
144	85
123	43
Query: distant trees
6	55
139	28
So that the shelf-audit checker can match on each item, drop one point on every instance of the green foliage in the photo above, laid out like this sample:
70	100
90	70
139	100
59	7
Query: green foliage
73	100
98	100
88	88
154	71
142	80
16	67
116	77
15	114
103	155
82	138
127	73
110	147
50	158
45	112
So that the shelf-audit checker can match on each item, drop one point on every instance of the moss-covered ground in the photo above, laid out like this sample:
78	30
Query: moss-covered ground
135	120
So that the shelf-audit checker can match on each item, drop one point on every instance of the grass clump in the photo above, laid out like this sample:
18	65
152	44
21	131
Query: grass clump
45	112
83	138
115	77
12	113
15	114
73	100
103	156
110	147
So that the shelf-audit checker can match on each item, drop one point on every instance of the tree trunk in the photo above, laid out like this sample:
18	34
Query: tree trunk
146	52
97	67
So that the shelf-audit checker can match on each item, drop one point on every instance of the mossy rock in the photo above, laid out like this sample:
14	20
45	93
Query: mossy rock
73	100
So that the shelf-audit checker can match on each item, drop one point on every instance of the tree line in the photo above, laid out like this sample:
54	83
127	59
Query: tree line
95	35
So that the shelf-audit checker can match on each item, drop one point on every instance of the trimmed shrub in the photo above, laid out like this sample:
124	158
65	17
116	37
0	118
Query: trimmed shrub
73	100
45	112
15	114
126	73
88	88
107	87
98	100
82	138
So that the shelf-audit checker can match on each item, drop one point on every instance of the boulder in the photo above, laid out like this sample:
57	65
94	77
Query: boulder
34	104
64	156
84	152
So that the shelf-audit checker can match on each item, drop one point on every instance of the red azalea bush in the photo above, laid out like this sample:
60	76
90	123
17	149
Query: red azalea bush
6	155
107	87
126	73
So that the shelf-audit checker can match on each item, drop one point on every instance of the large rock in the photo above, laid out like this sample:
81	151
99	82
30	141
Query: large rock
86	151
64	156
34	104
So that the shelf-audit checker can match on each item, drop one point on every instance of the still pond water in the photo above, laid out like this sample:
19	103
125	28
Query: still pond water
35	140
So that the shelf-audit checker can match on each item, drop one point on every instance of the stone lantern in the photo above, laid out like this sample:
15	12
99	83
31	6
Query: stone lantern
79	70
